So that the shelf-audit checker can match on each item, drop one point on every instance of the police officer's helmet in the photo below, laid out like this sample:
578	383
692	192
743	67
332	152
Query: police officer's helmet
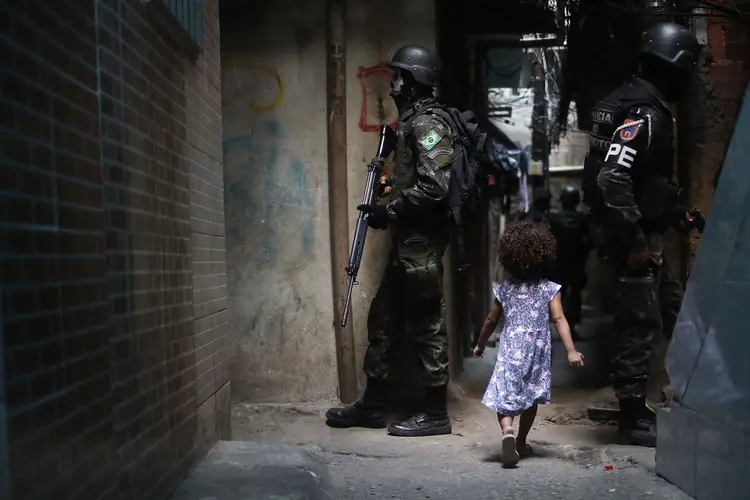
421	62
570	196
673	44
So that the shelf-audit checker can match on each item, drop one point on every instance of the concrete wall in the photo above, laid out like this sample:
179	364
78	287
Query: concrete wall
278	250
571	151
275	149
113	311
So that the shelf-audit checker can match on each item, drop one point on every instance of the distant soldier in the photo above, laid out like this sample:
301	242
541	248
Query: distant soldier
540	205
570	228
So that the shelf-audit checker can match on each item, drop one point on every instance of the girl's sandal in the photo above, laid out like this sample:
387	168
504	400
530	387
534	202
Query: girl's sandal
509	455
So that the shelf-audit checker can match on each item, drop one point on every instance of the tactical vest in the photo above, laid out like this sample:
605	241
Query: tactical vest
569	229
404	174
606	116
405	158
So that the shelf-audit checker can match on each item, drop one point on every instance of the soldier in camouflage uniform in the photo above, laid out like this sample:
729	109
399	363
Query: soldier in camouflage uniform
627	184
409	302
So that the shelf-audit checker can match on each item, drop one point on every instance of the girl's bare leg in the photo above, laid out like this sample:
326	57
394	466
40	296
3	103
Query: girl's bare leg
508	455
524	426
506	423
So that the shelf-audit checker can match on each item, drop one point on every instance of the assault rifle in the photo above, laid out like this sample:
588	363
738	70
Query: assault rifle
372	190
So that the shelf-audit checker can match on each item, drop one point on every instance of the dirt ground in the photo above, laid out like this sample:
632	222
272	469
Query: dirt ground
562	428
565	419
277	448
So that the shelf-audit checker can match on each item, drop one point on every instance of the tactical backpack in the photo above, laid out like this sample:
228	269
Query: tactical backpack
470	170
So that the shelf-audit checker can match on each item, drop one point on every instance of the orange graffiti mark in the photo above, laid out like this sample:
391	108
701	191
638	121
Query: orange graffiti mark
365	76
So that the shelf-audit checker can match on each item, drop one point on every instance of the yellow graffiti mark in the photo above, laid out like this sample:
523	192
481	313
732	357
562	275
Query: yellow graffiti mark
240	92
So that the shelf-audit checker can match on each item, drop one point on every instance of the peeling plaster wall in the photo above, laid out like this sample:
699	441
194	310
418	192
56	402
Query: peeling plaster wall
275	153
278	250
715	98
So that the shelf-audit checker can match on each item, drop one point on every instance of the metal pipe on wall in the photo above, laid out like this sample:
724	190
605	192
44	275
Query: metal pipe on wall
684	140
338	192
478	225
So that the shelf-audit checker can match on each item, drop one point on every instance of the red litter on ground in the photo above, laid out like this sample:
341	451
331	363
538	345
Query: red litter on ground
609	467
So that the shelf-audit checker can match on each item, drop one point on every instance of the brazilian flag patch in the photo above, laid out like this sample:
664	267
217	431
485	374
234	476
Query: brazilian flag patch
430	140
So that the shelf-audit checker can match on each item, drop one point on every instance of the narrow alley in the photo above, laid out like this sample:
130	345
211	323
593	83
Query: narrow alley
571	462
287	451
180	191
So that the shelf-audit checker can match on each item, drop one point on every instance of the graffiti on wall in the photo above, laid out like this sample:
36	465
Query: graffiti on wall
258	87
377	105
268	194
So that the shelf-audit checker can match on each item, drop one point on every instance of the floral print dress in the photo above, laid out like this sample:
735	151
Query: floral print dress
521	377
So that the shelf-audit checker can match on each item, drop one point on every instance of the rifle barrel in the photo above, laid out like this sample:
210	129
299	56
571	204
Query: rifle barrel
347	303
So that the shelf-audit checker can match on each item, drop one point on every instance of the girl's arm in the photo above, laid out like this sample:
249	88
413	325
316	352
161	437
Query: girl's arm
496	312
561	324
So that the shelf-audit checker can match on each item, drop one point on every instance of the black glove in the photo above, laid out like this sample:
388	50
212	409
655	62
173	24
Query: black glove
377	217
383	185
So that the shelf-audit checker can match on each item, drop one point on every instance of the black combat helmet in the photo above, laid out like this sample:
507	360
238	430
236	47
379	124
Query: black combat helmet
570	196
673	44
421	62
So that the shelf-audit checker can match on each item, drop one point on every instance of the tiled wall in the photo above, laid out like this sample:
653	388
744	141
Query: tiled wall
113	291
704	440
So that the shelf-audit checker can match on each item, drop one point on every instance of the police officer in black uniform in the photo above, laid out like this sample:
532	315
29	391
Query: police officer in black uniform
570	228
627	185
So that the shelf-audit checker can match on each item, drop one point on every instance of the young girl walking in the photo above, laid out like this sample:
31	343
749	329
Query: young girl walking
521	378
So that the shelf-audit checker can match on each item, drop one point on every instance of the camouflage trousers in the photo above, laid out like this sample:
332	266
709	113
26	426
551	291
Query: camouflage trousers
645	306
408	307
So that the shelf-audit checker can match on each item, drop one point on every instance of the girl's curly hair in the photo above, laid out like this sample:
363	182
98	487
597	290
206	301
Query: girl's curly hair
527	249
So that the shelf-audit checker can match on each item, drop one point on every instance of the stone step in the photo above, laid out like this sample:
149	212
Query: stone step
239	470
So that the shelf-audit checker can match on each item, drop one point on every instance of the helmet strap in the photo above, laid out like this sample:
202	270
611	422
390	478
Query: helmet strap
412	96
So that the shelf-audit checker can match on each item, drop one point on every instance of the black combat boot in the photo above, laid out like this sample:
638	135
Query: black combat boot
433	422
637	423
368	412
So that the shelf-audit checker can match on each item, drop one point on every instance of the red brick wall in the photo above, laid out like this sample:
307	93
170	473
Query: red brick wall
113	298
714	105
